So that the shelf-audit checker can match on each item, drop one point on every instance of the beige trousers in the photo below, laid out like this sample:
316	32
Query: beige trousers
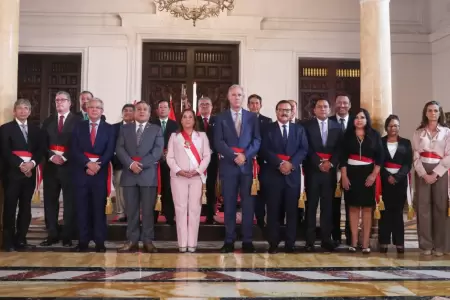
120	200
431	203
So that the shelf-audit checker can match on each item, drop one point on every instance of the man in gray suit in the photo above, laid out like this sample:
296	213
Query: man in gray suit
139	147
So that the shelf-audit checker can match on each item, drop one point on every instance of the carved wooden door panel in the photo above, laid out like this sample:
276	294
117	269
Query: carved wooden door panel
166	67
41	76
328	78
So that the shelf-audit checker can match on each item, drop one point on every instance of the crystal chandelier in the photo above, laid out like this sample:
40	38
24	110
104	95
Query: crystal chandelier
195	9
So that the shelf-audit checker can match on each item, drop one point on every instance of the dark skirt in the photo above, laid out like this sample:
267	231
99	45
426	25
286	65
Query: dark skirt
359	195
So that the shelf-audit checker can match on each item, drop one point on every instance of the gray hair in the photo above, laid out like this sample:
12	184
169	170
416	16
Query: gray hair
95	100
234	86
65	94
206	99
22	101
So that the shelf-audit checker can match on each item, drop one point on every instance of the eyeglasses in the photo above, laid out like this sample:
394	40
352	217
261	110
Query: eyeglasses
284	110
205	104
61	99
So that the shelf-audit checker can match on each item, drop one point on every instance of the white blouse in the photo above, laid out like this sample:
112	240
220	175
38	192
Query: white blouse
392	147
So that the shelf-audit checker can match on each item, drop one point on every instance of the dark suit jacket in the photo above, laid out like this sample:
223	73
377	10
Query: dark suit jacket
171	127
210	131
104	147
12	139
272	145
225	137
117	165
351	119
333	145
80	114
403	156
53	137
263	121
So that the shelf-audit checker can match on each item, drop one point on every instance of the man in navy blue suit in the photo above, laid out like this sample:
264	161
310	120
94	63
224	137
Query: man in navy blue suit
93	145
284	147
237	140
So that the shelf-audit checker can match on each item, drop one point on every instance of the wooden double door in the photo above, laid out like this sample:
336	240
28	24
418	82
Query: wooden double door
328	78
41	76
167	67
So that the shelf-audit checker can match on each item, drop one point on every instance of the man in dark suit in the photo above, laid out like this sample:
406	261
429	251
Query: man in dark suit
139	148
21	147
85	97
324	139
254	104
237	140
127	117
168	127
284	147
93	144
57	133
206	123
344	119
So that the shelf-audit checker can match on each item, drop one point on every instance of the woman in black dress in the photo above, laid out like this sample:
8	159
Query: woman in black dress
394	178
362	157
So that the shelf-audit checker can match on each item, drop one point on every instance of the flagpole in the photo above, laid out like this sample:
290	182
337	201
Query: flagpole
194	97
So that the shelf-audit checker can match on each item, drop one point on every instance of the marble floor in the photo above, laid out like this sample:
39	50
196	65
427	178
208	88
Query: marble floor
59	275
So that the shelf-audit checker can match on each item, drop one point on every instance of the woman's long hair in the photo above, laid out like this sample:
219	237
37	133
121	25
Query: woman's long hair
180	126
441	120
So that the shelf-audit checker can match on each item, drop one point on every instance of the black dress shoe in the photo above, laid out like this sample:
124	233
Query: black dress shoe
289	249
100	248
49	241
310	248
67	243
8	248
227	248
24	246
328	246
273	248
400	250
248	248
81	248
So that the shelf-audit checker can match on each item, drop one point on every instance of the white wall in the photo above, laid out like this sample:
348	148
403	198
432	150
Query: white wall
272	37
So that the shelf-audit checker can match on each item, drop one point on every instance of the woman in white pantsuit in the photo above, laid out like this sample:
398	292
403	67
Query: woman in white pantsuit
188	157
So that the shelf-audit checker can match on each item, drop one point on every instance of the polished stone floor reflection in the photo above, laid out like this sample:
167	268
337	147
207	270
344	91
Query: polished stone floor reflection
56	275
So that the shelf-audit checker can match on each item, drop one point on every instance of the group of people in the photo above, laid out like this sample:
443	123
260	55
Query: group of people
272	167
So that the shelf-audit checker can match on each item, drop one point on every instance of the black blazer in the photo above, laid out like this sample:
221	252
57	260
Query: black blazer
332	147
171	127
51	136
403	156
80	114
263	121
117	165
351	119
210	131
12	139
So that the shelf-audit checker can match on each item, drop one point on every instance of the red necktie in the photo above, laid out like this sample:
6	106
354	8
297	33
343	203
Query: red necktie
205	123
60	124
93	133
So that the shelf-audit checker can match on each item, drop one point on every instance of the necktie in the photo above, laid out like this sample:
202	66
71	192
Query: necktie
163	126
237	124
60	124
85	116
342	124
205	124
23	127
93	133
285	135
139	134
324	133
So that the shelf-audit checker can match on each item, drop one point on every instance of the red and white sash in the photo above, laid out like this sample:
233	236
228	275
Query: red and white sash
430	157
191	151
393	169
24	155
357	160
58	150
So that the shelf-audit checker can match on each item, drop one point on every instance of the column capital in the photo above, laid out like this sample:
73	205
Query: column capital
378	1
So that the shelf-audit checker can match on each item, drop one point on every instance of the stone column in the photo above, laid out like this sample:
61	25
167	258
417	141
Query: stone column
376	87
9	54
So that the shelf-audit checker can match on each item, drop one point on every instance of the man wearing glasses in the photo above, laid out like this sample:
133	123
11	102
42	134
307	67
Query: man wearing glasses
284	146
57	132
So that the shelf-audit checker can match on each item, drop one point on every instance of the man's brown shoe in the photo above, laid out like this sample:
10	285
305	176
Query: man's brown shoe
150	248
129	247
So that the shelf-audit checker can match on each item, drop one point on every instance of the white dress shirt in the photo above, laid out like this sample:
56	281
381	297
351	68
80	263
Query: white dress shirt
338	119
26	128
281	128
392	147
143	126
